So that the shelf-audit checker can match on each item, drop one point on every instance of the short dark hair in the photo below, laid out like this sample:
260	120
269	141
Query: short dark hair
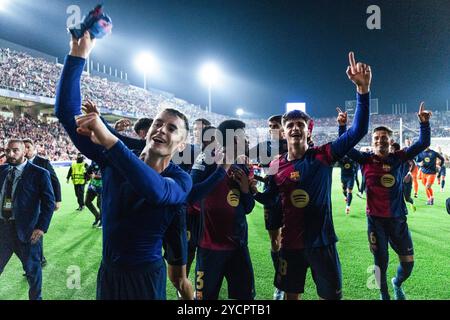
28	140
295	114
396	146
204	122
277	119
383	128
15	140
143	124
180	115
232	124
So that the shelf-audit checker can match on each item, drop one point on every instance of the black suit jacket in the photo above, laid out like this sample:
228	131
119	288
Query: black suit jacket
33	200
45	164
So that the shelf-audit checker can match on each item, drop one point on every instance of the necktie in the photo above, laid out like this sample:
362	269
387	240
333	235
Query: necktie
7	199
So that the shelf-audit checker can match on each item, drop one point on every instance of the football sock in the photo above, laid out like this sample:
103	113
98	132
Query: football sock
403	272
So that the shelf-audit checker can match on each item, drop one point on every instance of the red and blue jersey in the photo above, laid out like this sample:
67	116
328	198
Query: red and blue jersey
305	187
384	176
223	206
264	151
428	159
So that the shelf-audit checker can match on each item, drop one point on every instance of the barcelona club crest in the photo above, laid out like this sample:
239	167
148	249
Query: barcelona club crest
295	176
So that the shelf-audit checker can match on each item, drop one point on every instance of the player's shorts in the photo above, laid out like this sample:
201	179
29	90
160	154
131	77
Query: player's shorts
428	179
393	231
273	216
233	265
442	172
143	282
348	182
193	225
325	268
175	240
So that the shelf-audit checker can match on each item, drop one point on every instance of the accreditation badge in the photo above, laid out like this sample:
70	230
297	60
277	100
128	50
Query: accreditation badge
7	205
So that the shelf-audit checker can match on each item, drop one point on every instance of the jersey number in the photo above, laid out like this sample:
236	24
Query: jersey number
200	283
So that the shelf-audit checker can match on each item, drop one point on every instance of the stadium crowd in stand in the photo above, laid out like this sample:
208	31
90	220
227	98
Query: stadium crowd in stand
23	73
51	141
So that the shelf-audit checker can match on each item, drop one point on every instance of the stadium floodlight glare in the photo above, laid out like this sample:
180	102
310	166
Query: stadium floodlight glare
209	75
290	106
147	64
240	112
3	5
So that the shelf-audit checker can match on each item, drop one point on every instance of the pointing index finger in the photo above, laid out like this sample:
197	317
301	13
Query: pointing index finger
351	59
339	110
422	107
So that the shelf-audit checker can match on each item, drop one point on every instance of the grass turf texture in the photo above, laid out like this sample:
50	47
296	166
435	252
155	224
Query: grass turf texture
72	244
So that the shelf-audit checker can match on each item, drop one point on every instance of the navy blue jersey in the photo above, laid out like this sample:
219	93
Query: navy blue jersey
223	207
138	203
348	167
428	159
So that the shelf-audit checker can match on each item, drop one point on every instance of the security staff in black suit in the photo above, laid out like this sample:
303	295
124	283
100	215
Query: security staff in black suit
26	208
31	155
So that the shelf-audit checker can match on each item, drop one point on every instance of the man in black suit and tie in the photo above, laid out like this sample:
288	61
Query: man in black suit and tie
31	155
27	203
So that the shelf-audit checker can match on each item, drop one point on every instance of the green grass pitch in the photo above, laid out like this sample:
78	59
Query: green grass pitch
72	245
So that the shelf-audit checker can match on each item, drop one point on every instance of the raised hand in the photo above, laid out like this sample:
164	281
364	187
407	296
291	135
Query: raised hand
243	159
241	179
82	47
424	115
253	186
360	74
90	107
342	117
91	125
122	125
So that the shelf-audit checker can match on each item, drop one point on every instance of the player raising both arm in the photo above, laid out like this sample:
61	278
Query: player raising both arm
386	208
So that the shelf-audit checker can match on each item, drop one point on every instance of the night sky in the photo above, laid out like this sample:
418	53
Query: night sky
272	52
